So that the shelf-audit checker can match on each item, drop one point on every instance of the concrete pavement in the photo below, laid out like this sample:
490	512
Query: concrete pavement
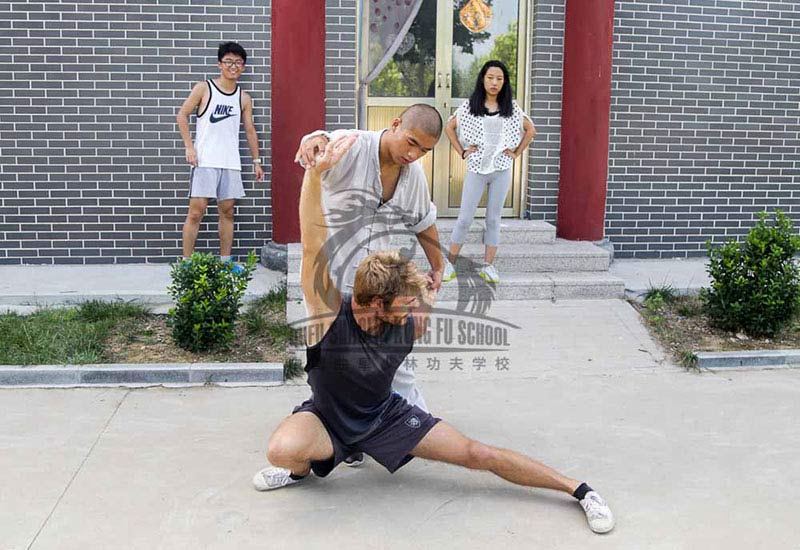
686	276
686	460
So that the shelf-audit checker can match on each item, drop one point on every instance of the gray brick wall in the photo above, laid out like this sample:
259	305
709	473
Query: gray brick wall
545	70
341	54
92	167
705	116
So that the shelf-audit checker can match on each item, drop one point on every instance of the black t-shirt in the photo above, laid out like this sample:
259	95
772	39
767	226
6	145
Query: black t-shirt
351	371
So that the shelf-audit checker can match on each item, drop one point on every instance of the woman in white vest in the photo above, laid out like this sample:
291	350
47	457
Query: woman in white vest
489	131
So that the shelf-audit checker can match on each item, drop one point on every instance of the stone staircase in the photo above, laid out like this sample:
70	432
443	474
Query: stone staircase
533	265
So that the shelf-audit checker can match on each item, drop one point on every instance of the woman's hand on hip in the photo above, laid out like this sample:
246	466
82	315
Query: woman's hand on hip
469	150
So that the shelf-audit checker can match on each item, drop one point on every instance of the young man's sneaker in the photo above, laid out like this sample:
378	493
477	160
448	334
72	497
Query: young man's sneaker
598	514
354	460
449	271
489	274
273	478
236	269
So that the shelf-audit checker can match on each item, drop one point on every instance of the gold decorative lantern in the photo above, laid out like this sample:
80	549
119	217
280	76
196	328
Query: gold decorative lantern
476	15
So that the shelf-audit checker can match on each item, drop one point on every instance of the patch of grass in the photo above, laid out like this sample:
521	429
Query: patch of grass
688	307
74	335
657	297
254	321
267	316
97	310
687	358
657	320
656	312
273	302
666	291
262	312
292	368
281	333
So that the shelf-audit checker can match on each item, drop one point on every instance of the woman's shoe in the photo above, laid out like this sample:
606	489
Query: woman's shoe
489	274
449	271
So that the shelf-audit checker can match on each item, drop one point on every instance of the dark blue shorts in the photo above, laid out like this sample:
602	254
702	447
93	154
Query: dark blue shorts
403	426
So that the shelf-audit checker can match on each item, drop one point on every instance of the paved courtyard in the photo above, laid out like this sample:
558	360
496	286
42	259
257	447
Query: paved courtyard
687	460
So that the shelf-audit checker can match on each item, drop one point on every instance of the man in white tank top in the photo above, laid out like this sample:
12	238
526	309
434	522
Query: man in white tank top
221	107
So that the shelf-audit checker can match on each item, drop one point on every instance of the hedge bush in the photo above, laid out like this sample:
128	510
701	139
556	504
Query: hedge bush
208	295
755	283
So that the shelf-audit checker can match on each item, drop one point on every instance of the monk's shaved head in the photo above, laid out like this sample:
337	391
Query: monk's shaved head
422	117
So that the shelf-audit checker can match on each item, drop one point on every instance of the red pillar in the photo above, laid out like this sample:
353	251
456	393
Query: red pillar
586	103
298	102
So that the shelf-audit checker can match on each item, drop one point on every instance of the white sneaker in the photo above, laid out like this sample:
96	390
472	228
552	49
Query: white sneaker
449	271
598	514
273	478
354	460
489	274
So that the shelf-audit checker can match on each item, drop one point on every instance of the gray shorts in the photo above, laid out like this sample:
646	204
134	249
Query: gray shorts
401	428
216	183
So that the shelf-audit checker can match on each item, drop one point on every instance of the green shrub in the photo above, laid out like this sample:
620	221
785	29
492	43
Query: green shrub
208	296
755	284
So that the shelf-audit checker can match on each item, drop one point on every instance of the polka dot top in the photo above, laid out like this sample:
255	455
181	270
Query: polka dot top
492	136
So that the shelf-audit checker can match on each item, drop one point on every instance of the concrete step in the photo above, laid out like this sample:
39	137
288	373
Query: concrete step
518	286
562	255
512	231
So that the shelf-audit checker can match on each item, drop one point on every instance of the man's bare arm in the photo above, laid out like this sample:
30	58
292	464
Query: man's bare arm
322	298
250	132
422	313
429	241
321	295
310	147
188	107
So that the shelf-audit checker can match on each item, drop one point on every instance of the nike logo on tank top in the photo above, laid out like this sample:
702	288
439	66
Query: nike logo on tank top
221	113
217	139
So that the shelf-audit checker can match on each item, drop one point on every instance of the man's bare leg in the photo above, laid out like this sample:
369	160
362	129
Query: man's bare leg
445	444
197	209
225	209
300	439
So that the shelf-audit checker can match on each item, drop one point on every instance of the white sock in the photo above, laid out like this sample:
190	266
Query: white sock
225	258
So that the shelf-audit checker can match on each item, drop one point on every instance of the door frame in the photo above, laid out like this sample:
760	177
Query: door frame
443	102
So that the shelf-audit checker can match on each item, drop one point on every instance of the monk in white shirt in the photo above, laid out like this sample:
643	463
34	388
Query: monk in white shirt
375	190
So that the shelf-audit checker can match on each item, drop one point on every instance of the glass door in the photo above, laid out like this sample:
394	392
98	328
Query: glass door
437	63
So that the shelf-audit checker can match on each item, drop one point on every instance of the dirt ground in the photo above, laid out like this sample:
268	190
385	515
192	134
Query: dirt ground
682	328
149	340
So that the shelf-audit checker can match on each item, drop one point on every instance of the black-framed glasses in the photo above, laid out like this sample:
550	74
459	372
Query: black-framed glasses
231	63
